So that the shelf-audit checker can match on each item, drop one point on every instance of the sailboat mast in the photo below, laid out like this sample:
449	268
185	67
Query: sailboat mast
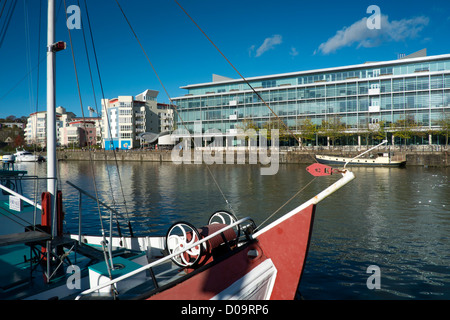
51	109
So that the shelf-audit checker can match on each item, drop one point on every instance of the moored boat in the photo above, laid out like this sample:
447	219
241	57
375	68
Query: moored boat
378	160
27	156
227	258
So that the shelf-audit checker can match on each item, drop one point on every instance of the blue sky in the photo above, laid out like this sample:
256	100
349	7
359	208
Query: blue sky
259	37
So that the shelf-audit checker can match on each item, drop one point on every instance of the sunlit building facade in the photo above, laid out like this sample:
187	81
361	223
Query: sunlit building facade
415	87
126	117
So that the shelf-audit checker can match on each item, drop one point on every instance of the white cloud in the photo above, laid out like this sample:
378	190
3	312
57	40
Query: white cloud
268	44
293	52
250	50
365	37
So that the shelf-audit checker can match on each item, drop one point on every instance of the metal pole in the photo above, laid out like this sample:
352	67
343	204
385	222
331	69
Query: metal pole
79	219
51	112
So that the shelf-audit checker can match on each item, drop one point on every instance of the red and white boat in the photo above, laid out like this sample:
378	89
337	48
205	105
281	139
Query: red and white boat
225	259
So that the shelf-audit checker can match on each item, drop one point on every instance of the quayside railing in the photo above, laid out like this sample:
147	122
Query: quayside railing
80	210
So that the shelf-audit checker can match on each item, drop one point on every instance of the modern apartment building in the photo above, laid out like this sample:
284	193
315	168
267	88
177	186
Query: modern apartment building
125	117
36	128
80	132
415	87
165	113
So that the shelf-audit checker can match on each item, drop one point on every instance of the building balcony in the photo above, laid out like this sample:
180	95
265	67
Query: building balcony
374	108
374	91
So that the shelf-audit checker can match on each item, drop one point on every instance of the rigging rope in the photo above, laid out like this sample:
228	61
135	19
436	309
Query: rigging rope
84	121
284	204
107	121
237	71
170	99
243	78
259	96
37	100
110	265
7	21
81	104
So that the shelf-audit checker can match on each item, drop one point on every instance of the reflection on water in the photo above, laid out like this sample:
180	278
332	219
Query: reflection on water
396	219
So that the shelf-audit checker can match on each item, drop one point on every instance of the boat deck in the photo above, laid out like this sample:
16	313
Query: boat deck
22	269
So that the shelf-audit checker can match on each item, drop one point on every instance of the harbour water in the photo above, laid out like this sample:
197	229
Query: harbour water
397	220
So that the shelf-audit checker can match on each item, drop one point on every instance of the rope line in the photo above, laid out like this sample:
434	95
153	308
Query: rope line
107	122
170	99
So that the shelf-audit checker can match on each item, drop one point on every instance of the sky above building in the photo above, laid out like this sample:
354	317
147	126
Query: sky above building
258	37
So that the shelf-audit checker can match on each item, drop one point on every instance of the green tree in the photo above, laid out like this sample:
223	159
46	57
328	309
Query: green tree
444	124
248	124
278	125
308	129
333	128
404	128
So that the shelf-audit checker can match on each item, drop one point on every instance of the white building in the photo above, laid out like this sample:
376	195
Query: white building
36	128
165	113
125	117
80	132
414	88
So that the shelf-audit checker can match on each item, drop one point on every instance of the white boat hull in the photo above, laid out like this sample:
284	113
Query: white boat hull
375	162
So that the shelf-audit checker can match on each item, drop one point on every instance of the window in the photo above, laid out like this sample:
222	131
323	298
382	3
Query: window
351	104
385	86
436	100
447	81
292	95
341	90
331	90
422	83
398	85
363	104
363	88
125	120
422	100
410	84
351	89
386	71
342	104
410	100
125	128
420	67
310	93
386	102
437	82
320	92
124	112
125	135
398	101
269	83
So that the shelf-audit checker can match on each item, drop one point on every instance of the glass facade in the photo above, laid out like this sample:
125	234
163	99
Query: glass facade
416	89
